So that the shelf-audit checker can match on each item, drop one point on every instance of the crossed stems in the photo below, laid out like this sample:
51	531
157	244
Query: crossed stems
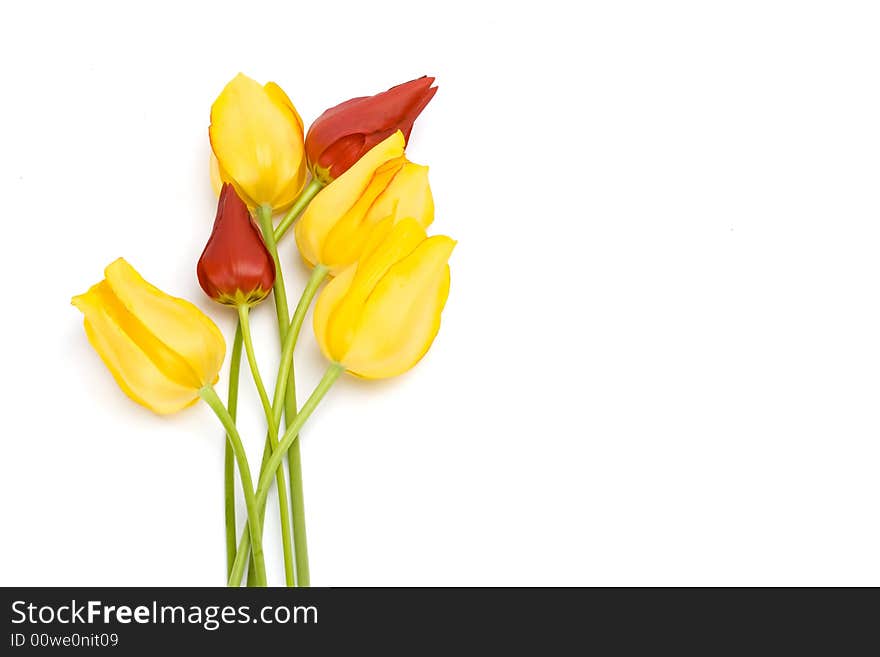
251	540
247	544
271	443
284	392
255	529
273	413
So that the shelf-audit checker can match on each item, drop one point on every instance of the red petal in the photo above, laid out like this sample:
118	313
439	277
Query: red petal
235	266
330	142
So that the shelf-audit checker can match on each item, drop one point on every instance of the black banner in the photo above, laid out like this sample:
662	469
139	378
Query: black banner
416	621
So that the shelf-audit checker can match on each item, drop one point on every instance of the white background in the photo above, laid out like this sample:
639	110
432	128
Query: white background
660	359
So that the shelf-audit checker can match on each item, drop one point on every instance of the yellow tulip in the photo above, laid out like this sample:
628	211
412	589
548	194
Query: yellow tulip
379	316
338	222
257	138
160	349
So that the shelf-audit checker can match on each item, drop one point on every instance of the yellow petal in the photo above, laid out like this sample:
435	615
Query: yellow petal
344	241
218	177
290	193
175	323
335	200
278	96
328	300
258	141
141	376
407	195
401	316
294	187
399	243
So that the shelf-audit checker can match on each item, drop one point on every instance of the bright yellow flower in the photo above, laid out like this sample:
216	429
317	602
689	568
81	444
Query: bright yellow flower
257	138
380	316
337	223
160	349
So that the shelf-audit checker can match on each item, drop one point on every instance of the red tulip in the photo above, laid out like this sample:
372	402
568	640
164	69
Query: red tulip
341	135
235	268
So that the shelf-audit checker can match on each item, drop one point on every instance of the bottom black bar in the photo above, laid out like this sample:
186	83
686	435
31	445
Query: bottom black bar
416	621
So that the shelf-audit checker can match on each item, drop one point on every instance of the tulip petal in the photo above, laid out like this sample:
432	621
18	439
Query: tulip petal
337	198
329	299
402	240
235	266
258	141
279	97
345	240
294	187
401	316
407	195
175	323
403	101
342	134
140	376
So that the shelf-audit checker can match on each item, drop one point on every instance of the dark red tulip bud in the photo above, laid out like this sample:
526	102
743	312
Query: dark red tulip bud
235	267
341	135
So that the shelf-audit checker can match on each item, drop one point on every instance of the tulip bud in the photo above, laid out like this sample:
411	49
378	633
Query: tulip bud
337	223
160	349
380	316
257	138
341	135
235	268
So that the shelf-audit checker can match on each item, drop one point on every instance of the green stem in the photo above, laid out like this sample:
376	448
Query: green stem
229	460
287	387
272	439
334	370
264	216
245	324
255	530
319	273
305	196
294	456
267	452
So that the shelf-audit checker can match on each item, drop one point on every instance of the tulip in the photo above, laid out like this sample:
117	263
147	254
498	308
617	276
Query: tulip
379	316
235	268
257	137
344	133
337	223
161	350
376	320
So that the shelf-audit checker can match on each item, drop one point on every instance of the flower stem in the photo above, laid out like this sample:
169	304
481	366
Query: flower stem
272	438
264	217
319	273
245	324
334	370
288	388
305	196
255	530
294	456
267	452
229	460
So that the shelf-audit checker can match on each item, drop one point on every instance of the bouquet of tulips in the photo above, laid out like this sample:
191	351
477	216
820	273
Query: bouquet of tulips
381	284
